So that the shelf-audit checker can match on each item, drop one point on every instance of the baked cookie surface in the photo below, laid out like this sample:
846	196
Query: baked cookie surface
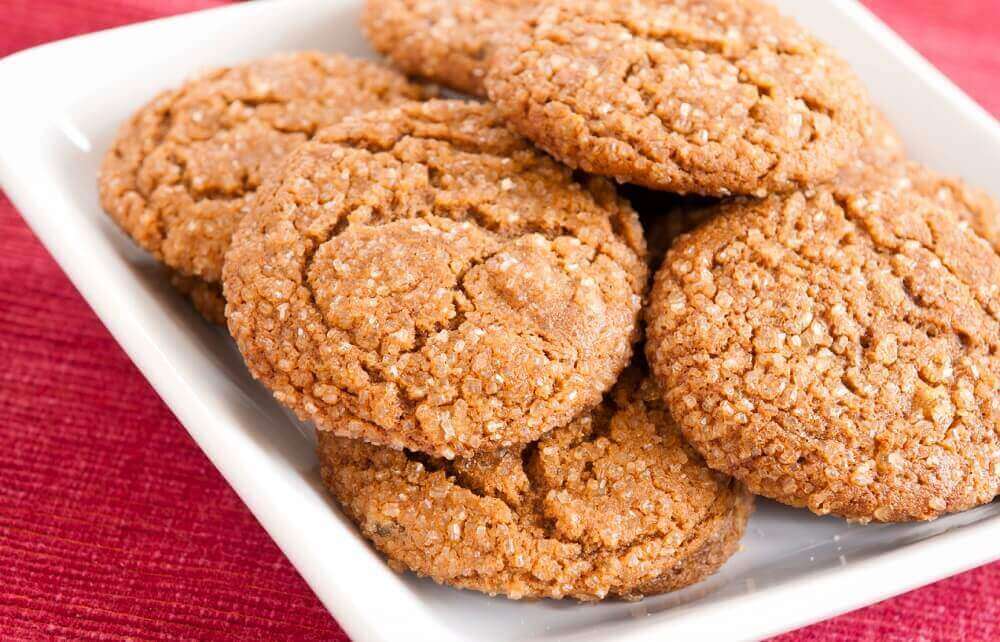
837	349
184	169
881	159
445	41
711	97
421	277
973	206
614	503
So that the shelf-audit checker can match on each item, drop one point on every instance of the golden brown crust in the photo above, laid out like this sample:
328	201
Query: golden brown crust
713	97
974	206
423	278
448	42
882	158
882	162
615	503
184	169
837	349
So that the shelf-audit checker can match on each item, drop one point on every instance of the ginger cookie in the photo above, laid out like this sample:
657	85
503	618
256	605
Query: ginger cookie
882	161
205	296
837	349
421	277
973	206
184	169
615	503
666	216
447	42
710	97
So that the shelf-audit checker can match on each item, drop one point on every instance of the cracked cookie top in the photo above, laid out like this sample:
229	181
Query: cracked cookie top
185	168
448	42
614	503
665	216
710	97
421	277
838	349
974	207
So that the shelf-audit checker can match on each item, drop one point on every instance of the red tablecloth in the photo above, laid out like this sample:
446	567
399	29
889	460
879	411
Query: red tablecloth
112	522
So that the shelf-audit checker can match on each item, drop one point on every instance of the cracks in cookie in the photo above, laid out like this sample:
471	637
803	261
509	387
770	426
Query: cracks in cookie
929	324
677	42
254	101
906	285
477	213
421	339
916	299
359	139
431	463
465	481
454	323
817	107
936	242
304	283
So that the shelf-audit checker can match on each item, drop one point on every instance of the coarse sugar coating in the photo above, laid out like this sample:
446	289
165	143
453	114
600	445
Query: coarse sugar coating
882	157
837	349
882	163
185	168
711	97
421	277
447	41
973	206
614	503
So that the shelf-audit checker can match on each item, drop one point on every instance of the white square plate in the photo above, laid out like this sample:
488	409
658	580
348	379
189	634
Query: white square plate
61	106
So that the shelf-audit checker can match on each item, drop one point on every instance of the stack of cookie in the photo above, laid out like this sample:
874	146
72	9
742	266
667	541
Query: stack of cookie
452	291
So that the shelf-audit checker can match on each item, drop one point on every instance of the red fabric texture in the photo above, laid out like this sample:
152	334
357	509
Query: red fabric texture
112	522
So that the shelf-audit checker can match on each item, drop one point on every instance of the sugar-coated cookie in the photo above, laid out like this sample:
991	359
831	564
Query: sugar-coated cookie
613	504
840	348
421	277
447	41
710	97
184	169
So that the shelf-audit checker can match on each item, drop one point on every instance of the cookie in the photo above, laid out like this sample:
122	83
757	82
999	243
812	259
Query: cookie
613	504
710	97
184	169
206	297
666	216
444	41
881	156
973	206
882	162
837	349
421	277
